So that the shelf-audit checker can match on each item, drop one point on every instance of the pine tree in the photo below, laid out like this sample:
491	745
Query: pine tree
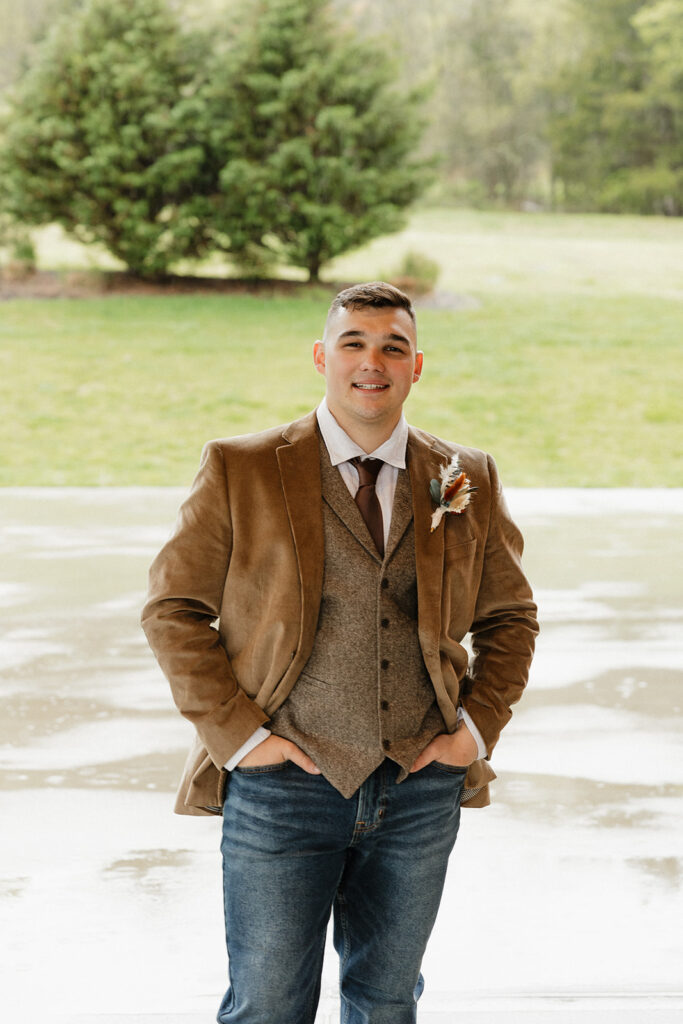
318	147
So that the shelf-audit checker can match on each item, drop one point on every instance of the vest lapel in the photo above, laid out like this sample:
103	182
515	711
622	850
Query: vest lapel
336	494
401	513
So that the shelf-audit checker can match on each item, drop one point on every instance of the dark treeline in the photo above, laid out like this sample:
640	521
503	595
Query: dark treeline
571	104
567	104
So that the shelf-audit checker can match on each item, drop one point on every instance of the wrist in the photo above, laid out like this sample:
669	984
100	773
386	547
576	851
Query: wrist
465	744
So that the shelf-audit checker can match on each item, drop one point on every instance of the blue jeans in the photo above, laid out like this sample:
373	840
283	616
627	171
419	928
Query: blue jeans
294	849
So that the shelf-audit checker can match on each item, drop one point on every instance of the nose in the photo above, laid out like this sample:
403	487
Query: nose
373	359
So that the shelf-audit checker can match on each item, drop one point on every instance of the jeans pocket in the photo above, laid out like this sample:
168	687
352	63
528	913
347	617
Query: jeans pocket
450	769
262	769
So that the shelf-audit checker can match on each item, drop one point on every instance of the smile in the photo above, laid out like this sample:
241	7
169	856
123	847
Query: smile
371	387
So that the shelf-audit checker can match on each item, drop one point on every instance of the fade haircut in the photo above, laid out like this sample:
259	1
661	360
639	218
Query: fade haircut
373	295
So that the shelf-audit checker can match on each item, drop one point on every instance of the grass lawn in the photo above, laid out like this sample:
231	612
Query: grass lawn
570	370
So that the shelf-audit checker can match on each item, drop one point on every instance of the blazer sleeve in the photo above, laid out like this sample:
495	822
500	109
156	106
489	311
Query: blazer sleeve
504	627
186	583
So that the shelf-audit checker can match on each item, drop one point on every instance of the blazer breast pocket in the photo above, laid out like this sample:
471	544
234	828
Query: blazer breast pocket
459	592
459	550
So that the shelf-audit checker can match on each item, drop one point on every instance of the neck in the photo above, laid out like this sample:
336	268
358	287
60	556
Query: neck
368	436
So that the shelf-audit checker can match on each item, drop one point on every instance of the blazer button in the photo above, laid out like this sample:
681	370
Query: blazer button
385	583
386	744
384	663
384	705
384	623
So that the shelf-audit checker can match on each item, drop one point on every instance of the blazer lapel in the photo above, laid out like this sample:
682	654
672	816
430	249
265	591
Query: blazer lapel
299	462
424	462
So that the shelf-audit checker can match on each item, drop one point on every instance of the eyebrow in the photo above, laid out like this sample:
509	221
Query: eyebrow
363	334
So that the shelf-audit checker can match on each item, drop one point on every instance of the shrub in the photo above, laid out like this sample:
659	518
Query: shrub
416	273
644	190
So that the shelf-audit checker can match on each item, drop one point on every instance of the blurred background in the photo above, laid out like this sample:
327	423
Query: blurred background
203	176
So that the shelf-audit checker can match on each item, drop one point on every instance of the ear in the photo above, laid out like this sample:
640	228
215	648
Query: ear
417	372
319	357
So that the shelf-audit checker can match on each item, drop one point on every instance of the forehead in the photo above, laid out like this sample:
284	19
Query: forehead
382	322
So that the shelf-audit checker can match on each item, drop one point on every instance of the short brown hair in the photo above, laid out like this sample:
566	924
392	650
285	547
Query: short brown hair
373	295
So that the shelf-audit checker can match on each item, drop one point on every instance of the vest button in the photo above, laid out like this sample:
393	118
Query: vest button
386	744
384	623
384	663
384	705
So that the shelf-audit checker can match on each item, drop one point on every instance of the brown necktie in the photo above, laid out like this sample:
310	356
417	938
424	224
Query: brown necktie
367	500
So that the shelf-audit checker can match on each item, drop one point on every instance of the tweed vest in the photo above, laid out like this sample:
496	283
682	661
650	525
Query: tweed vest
364	693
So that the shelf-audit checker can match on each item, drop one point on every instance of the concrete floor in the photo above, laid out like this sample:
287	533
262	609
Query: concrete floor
581	1012
564	900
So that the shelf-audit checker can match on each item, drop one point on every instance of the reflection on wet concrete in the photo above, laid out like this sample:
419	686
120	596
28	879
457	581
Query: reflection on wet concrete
10	887
152	771
569	885
667	870
647	690
146	868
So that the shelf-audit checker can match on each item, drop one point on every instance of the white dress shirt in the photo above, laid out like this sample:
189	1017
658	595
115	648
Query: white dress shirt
341	450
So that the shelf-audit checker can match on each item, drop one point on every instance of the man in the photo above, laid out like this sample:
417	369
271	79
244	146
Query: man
309	612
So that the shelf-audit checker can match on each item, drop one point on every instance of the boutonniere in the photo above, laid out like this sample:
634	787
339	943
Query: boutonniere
451	493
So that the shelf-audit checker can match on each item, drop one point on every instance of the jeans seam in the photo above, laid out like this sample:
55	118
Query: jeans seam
343	960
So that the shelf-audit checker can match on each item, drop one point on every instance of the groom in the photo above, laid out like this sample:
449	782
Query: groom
309	612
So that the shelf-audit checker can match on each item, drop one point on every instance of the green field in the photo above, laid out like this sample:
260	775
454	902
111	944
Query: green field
569	371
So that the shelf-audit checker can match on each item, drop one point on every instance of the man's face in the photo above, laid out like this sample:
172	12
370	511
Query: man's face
370	361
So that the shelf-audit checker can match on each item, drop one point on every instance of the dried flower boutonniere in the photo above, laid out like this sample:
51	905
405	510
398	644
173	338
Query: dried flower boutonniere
452	494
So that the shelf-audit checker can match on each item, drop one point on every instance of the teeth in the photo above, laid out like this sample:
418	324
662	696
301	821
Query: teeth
371	387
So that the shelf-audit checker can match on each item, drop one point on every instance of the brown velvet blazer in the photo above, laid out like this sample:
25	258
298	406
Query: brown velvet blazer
234	595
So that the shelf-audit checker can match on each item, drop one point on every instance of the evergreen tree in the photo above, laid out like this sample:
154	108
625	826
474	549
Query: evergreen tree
494	120
318	150
101	134
617	128
287	139
489	62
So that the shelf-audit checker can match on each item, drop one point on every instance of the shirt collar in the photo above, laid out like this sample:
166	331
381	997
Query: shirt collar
341	448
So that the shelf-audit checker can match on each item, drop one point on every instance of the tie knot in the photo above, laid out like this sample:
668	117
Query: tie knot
368	470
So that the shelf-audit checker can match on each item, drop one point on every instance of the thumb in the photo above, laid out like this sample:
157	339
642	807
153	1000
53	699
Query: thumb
303	760
419	763
423	759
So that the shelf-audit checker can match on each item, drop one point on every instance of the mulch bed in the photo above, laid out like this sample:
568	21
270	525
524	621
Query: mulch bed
76	284
84	284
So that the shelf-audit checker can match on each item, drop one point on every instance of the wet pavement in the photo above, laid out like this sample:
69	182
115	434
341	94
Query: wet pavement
565	898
